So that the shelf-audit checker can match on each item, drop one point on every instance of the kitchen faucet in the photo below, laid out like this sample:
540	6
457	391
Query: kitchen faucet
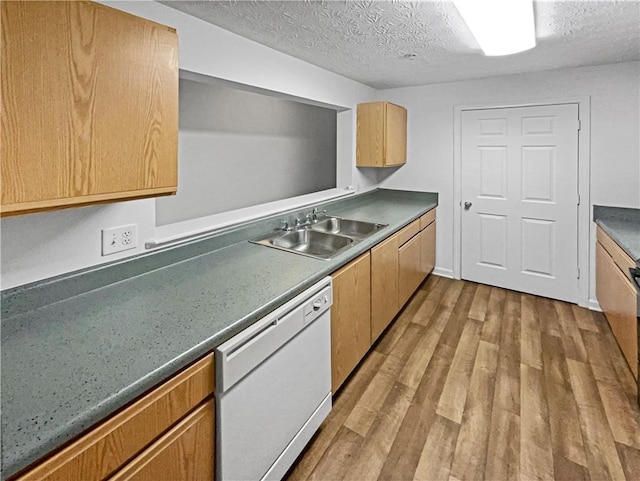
310	218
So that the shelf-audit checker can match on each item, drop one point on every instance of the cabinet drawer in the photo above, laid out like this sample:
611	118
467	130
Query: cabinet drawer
427	219
102	451
620	257
185	453
618	300
408	232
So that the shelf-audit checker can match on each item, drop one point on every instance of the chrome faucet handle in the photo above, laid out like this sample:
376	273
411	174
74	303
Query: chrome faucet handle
285	225
315	212
298	222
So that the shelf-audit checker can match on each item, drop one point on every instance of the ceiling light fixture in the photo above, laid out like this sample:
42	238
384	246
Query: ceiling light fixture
501	27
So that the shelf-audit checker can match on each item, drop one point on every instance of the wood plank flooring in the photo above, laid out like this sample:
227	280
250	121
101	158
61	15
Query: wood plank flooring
472	382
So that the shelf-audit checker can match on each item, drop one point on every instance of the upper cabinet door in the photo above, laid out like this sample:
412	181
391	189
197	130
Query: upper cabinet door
396	138
381	138
89	106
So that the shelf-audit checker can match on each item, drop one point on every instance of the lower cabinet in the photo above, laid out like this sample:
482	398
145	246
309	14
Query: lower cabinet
428	249
350	318
409	269
617	298
371	290
185	453
417	257
173	423
384	285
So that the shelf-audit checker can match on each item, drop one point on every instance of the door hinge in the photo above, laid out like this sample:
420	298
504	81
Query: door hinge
578	273
578	199
579	124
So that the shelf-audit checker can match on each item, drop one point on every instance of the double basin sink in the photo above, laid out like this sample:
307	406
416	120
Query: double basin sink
323	238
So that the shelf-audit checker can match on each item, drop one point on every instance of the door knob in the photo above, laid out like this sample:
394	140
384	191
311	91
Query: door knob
467	205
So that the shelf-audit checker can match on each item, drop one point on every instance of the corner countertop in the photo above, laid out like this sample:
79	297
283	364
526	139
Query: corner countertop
623	226
78	347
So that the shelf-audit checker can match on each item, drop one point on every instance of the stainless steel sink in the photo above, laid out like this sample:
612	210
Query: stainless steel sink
308	242
346	227
323	239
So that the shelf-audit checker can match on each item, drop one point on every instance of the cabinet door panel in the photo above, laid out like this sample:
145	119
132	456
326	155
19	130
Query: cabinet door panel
428	249
384	285
617	297
185	453
410	274
396	135
90	105
370	135
350	318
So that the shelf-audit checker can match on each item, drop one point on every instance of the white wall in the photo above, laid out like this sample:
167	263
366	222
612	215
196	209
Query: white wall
615	148
239	149
38	246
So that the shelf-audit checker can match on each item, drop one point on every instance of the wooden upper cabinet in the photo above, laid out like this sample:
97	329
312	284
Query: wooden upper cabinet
89	106
381	135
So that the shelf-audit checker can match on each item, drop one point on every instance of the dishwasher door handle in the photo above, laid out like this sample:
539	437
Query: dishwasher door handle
253	337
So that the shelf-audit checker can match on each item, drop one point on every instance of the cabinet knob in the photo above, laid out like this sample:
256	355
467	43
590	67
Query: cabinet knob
467	205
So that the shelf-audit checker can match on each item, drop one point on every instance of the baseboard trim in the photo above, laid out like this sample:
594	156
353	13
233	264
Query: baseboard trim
439	271
593	305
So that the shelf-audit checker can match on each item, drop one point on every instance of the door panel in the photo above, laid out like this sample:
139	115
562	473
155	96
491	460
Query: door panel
520	173
538	125
538	174
538	253
493	240
493	172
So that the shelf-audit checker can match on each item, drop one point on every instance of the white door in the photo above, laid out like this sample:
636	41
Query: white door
520	199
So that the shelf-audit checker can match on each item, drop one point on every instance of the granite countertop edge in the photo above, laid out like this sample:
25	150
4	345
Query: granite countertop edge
72	428
622	224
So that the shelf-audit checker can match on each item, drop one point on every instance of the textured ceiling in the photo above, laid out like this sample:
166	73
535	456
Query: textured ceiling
368	40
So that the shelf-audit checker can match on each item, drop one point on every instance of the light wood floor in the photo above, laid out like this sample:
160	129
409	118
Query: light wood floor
475	382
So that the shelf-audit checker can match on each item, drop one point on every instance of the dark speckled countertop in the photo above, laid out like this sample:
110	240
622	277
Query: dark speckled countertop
623	226
78	347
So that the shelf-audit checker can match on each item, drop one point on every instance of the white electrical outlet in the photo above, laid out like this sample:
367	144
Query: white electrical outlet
118	239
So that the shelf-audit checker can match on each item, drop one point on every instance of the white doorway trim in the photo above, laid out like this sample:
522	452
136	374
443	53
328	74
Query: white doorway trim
584	176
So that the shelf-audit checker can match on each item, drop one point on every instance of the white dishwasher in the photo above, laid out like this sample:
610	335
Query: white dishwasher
274	388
